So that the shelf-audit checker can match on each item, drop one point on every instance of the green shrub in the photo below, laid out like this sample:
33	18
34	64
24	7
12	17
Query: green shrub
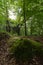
4	35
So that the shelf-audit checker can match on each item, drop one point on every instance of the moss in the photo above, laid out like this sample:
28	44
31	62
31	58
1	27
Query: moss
25	49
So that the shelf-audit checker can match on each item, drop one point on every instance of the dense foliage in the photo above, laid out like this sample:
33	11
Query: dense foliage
27	16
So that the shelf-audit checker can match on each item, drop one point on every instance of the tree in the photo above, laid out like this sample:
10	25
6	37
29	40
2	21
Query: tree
24	12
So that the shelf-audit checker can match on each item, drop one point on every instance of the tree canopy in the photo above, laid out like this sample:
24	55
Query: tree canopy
24	15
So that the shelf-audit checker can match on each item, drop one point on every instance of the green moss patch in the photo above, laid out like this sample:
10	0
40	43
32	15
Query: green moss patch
25	49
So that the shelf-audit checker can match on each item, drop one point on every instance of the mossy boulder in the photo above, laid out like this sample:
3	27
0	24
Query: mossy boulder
25	49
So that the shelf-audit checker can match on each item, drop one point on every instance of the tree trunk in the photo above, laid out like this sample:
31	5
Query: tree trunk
24	12
31	29
8	29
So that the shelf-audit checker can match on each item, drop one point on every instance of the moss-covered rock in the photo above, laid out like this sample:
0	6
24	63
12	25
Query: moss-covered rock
25	49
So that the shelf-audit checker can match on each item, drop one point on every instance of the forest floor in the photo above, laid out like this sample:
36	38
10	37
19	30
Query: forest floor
5	55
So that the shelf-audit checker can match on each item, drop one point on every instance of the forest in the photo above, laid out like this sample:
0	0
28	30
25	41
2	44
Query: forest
21	32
